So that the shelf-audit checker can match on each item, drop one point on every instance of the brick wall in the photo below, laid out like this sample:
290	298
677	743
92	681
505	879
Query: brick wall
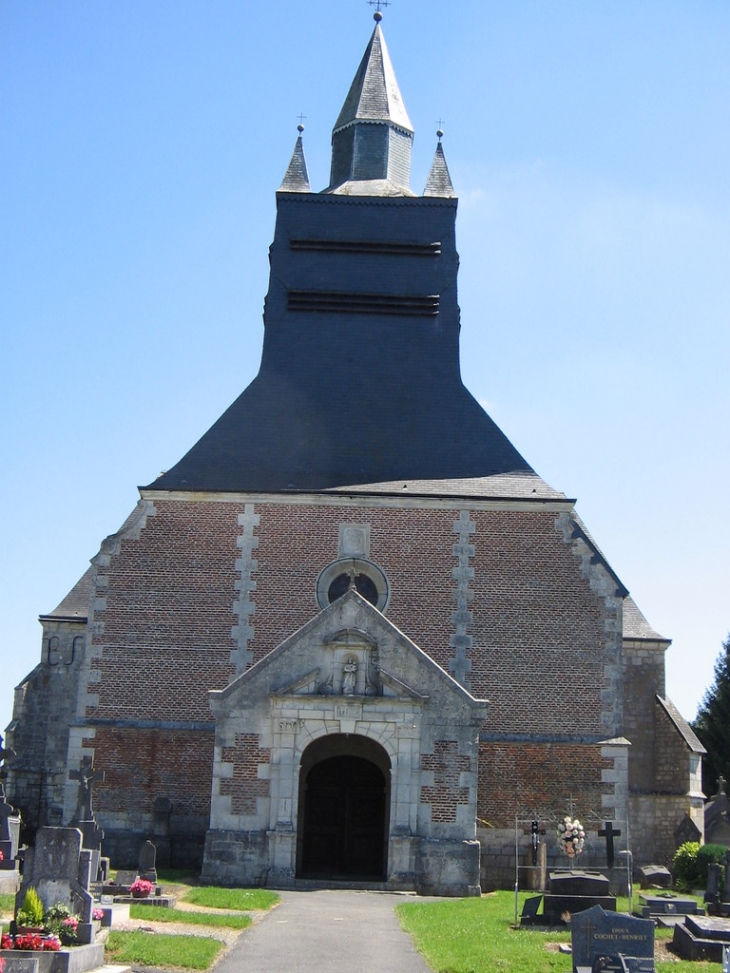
518	779
502	588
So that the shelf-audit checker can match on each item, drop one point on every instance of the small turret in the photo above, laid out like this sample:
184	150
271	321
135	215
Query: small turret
296	179
439	180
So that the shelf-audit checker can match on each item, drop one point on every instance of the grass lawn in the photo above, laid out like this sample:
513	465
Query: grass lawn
476	936
241	900
187	952
7	902
157	913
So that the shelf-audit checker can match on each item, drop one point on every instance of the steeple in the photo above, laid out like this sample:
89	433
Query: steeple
296	178
373	137
439	180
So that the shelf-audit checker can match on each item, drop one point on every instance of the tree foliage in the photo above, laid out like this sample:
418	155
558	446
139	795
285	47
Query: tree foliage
712	724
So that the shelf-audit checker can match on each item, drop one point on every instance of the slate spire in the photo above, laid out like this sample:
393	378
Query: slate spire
373	137
296	178
439	179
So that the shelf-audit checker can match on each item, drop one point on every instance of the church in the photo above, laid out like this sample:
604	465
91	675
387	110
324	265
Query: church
353	636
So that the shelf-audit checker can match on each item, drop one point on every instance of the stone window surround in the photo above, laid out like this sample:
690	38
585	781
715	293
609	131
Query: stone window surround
345	565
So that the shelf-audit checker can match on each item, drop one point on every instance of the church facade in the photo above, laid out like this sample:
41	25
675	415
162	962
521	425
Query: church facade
352	635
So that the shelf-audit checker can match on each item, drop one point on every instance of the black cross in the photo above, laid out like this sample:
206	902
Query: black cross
535	832
609	834
379	4
301	119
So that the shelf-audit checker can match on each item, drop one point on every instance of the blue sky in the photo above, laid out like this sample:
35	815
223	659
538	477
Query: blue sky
142	144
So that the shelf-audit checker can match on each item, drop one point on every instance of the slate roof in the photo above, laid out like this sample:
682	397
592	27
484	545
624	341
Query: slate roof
374	94
359	381
518	486
75	606
296	178
636	626
689	735
439	180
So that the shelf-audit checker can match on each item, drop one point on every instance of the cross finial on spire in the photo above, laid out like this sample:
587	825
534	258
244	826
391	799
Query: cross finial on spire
378	4
300	126
440	132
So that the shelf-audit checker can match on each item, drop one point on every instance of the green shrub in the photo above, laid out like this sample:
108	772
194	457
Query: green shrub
31	912
690	862
705	855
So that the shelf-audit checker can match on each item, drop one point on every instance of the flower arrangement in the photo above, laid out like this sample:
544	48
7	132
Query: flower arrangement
141	888
571	836
32	941
97	914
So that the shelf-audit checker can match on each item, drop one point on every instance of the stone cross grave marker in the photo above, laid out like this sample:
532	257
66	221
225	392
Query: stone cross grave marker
84	817
85	775
596	934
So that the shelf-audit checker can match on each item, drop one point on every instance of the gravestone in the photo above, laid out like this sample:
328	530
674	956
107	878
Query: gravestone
572	892
125	878
655	875
162	809
712	892
57	870
599	934
725	902
147	858
702	938
529	911
664	906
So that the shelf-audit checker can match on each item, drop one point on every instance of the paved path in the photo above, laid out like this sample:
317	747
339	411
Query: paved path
327	932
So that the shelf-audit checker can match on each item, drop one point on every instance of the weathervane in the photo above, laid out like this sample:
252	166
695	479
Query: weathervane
378	4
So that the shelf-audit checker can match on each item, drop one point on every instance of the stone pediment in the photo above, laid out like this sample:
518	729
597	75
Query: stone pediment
348	651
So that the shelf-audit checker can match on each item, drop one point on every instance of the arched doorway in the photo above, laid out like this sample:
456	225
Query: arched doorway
344	797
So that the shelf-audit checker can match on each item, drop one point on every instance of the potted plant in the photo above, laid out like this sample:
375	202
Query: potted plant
141	888
29	917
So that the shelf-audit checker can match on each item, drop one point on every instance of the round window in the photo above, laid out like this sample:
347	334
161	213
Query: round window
336	578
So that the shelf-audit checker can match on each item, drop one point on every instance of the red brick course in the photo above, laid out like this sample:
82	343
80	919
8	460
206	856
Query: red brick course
520	779
245	785
143	764
446	792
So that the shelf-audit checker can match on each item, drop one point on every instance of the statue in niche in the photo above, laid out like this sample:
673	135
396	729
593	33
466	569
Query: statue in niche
349	676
